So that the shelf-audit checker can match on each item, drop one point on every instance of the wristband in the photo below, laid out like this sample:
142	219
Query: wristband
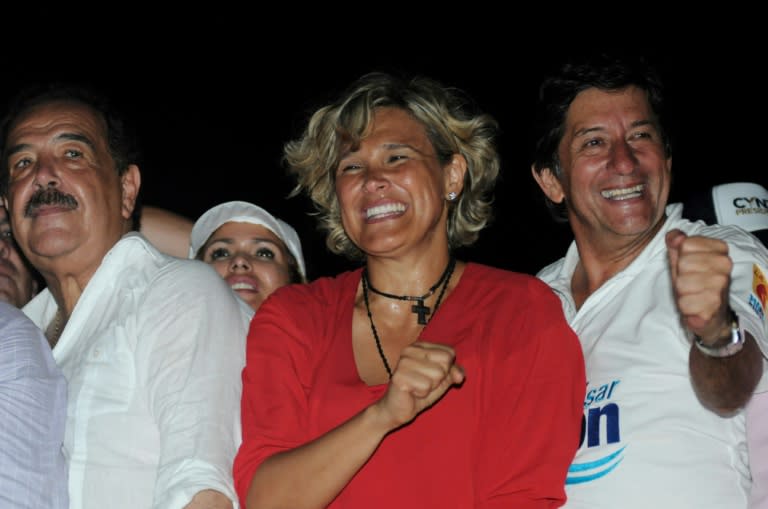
733	346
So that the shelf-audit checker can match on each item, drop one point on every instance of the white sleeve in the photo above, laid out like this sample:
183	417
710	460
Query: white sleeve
193	368
749	294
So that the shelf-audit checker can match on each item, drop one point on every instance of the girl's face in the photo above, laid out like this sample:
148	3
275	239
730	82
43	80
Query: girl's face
250	258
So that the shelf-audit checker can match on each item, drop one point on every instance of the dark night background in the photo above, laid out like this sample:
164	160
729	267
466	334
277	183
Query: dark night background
214	95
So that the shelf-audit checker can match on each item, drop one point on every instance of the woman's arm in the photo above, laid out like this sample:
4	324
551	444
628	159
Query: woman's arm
168	231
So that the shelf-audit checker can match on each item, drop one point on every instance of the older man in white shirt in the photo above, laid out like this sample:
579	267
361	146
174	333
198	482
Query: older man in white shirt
152	345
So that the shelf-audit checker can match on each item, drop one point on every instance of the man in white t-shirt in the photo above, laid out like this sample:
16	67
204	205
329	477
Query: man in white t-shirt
670	313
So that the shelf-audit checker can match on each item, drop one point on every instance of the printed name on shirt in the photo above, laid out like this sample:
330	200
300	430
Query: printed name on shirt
600	421
607	414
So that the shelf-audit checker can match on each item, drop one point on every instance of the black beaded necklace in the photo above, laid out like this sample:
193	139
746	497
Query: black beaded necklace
420	309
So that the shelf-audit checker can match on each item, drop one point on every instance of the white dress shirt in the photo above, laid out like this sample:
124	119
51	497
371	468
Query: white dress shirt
153	353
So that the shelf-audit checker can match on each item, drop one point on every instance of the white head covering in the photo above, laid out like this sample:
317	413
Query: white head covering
244	212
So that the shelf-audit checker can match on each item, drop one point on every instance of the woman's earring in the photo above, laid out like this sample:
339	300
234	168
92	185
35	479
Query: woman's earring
451	196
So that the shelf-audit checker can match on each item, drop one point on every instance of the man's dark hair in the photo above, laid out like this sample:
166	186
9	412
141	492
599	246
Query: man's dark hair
558	90
122	143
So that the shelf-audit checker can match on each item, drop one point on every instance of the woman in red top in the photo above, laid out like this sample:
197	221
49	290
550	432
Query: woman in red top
416	380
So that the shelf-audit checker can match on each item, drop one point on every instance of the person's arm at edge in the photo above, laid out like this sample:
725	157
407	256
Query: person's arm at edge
168	231
757	445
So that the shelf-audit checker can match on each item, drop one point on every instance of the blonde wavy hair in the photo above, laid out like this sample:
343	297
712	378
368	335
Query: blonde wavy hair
453	123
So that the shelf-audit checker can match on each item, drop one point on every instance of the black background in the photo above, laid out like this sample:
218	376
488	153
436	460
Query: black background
215	92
